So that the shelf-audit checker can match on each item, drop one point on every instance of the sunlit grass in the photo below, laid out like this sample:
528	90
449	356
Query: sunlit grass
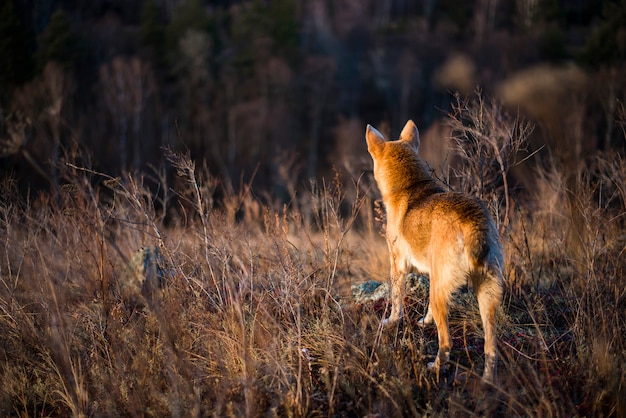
252	316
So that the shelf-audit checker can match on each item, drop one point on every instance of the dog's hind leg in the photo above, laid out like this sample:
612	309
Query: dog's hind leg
488	290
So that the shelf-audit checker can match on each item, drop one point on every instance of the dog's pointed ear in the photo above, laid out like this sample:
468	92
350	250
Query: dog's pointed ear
375	139
410	134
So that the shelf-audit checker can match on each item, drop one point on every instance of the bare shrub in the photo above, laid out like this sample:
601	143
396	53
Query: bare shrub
488	140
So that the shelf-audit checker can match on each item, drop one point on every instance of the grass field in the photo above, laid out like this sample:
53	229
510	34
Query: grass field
116	300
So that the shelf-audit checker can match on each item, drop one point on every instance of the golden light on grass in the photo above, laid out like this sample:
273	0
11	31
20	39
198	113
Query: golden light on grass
252	317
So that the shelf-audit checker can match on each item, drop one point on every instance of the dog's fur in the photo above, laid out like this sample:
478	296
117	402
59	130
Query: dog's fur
450	236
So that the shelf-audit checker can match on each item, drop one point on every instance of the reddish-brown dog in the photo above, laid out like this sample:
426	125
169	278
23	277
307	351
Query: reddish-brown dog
450	236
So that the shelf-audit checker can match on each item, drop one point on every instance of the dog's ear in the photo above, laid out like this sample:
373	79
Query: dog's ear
410	134
375	139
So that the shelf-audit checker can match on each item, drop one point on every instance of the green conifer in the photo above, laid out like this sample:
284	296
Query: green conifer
59	42
152	32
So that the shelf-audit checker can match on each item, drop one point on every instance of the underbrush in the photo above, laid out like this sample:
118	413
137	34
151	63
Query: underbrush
115	300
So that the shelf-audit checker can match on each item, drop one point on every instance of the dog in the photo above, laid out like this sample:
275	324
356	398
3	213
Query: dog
450	236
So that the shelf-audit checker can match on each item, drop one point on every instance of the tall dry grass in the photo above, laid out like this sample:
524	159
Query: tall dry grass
119	297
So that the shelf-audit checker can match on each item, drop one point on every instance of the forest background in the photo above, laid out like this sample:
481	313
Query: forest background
252	87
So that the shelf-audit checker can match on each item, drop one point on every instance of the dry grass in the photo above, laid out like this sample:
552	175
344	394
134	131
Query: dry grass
227	315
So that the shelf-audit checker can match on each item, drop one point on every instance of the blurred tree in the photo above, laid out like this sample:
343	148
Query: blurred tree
547	20
606	46
605	52
15	62
550	11
56	87
552	44
526	14
429	7
189	16
459	12
43	104
188	50
127	85
320	73
276	20
59	42
484	19
194	50
284	26
256	85
152	32
609	89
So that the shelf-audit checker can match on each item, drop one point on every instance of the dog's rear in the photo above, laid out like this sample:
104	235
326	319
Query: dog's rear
450	236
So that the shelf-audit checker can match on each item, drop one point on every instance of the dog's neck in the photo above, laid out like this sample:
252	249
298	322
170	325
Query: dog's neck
415	184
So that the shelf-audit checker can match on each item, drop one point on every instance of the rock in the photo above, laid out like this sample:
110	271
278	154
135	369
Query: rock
369	291
372	290
143	273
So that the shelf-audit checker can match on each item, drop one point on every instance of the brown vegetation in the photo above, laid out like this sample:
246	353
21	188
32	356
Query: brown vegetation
117	300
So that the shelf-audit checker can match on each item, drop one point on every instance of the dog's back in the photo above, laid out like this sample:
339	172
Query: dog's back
449	235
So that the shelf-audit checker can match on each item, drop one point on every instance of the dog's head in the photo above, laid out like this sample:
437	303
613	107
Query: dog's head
376	141
394	161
